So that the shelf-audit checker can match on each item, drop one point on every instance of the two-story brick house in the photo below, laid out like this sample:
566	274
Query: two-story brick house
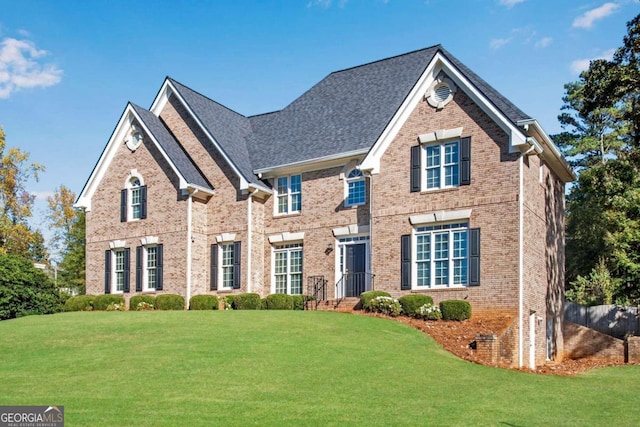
409	174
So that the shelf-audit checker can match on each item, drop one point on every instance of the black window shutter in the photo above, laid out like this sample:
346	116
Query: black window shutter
139	269
123	205
474	257
236	264
465	161
159	256
415	168
214	267
143	202
405	262
107	272
127	269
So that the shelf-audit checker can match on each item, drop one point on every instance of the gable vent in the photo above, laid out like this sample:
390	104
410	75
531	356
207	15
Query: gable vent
441	92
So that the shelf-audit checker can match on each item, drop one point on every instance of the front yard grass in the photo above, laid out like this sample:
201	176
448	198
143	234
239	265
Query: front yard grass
282	368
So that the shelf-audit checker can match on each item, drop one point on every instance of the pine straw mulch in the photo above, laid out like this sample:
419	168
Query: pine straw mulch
456	338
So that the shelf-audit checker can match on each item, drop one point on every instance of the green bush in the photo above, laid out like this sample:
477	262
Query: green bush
455	309
246	302
25	290
79	303
227	301
142	302
385	305
366	297
279	302
299	300
203	302
170	302
429	312
102	302
411	303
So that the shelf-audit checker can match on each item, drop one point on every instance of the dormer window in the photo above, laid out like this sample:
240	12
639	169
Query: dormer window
133	199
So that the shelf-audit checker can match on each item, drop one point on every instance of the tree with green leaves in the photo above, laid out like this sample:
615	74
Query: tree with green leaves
601	122
68	238
16	236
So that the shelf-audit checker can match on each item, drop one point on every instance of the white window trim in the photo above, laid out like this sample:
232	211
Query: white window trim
133	174
414	258
114	271
145	267
441	167
276	198
348	180
221	266
288	247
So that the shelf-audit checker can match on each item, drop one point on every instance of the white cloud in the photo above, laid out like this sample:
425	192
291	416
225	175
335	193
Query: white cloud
580	65
21	67
510	3
587	19
42	195
543	42
498	43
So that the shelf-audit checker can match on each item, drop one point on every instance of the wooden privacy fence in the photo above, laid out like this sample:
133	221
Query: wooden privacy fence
615	320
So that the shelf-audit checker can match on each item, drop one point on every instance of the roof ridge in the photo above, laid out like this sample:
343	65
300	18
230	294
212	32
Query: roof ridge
439	46
206	97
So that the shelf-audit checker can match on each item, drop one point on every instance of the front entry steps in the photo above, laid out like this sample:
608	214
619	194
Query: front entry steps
342	304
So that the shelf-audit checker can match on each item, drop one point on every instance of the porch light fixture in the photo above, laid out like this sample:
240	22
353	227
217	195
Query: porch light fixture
329	248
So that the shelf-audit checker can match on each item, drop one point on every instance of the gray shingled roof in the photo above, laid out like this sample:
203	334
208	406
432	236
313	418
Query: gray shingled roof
180	159
346	111
228	128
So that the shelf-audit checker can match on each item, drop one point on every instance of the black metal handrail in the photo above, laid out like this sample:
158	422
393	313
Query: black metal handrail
353	284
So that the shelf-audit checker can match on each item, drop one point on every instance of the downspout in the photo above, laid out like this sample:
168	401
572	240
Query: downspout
249	236
521	255
189	240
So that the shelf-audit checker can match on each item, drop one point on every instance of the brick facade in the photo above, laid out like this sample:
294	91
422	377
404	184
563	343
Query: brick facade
508	190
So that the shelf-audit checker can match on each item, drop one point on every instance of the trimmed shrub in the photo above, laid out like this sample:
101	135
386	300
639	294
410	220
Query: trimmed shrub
246	302
411	303
366	297
142	302
455	309
79	303
116	306
102	302
279	302
203	302
385	305
170	302
429	312
299	300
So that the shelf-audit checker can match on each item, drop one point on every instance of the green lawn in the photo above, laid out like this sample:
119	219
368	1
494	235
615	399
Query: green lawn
282	368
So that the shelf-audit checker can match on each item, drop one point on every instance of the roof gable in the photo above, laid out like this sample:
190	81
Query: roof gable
179	161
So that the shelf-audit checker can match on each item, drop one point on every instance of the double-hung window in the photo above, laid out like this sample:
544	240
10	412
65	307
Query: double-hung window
288	269
356	188
133	200
442	163
438	165
118	270
149	267
227	265
441	255
288	194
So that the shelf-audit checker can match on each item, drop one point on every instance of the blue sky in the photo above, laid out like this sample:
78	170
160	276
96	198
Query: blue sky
68	68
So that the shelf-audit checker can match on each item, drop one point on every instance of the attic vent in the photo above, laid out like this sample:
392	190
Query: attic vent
441	92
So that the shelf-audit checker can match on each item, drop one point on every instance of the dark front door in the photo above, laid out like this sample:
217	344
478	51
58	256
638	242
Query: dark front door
355	268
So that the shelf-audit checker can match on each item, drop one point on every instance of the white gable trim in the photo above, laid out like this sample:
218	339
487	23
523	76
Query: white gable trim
117	137
158	104
438	63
